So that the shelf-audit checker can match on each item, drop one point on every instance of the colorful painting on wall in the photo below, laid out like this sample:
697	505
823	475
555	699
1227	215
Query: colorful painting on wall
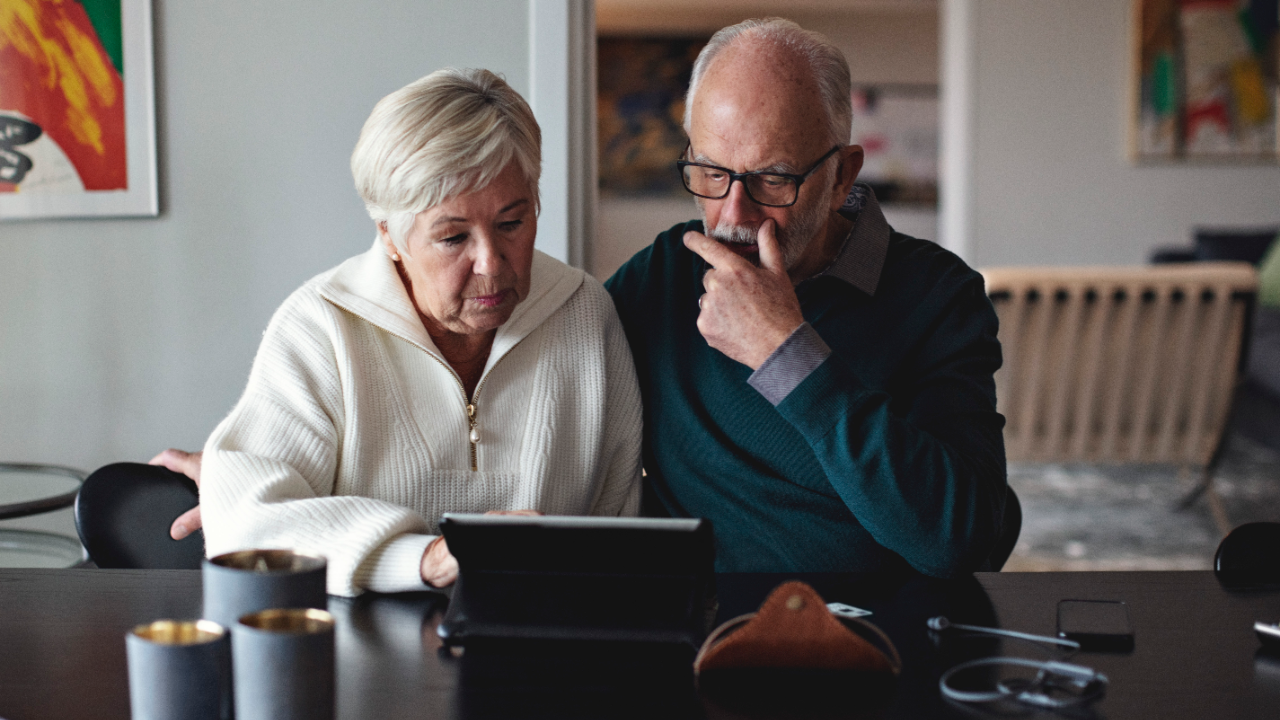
1206	79
76	109
640	101
641	87
897	127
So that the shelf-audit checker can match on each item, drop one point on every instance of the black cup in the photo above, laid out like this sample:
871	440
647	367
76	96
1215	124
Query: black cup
179	670
247	581
283	665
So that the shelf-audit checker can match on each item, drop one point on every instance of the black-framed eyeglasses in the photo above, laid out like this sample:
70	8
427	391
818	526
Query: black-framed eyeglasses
772	189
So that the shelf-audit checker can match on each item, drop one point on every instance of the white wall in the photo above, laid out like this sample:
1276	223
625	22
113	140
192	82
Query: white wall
1051	181
119	338
884	43
882	46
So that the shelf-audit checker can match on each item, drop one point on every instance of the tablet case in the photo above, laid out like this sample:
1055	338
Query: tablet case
562	578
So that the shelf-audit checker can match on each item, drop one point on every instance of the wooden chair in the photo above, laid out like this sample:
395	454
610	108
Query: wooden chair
1122	364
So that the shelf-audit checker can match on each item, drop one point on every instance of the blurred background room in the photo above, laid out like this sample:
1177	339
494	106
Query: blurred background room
1111	165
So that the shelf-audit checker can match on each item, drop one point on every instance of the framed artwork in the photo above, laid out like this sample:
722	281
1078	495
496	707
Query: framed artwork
77	109
641	84
1205	80
897	127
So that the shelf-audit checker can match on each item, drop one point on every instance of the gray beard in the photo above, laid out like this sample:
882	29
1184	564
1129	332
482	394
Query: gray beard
794	239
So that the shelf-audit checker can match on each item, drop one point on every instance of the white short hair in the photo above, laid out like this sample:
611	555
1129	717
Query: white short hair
450	132
828	64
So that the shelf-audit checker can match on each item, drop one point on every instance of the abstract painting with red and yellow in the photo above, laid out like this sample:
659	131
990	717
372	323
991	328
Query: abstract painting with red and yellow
62	120
1209	74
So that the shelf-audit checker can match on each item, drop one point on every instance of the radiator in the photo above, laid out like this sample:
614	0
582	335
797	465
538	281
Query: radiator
1119	364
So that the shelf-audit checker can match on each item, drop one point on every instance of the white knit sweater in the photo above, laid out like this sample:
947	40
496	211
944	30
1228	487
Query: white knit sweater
352	436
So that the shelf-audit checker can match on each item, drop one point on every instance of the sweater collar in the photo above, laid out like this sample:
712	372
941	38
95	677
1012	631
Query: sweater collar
368	287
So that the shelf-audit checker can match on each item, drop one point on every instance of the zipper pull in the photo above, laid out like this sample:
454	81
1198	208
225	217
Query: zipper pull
474	437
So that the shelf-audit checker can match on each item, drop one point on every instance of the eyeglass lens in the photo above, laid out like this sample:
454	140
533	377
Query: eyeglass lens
762	187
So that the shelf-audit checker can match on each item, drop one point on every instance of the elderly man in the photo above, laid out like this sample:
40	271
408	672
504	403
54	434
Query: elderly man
816	384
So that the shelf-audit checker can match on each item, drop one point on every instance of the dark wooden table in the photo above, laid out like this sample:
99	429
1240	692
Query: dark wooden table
62	649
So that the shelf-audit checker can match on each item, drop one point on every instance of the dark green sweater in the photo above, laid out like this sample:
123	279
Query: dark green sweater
890	451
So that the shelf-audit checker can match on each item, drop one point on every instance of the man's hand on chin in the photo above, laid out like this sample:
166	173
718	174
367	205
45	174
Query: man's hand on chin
747	311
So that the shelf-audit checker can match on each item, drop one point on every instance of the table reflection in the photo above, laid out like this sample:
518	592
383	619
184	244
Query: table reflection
390	641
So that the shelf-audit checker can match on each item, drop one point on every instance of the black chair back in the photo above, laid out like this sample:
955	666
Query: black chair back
1245	245
123	515
1249	556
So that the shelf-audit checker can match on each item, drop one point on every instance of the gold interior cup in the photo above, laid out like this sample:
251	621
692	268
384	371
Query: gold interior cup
180	632
269	561
295	621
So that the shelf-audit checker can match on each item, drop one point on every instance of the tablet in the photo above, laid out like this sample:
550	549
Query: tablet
580	578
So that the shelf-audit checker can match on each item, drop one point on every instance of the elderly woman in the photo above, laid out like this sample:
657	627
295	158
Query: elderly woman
450	368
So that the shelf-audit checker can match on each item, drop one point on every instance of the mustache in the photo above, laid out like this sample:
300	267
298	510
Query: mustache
733	234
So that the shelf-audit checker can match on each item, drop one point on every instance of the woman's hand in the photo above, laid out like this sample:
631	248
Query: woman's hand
181	461
439	567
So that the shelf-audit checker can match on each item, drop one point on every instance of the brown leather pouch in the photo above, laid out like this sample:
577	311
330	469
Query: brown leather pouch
794	630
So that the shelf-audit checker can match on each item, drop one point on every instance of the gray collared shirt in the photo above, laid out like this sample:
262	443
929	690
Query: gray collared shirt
859	262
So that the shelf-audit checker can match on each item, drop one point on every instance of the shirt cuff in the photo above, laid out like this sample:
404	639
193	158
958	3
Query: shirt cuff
798	356
396	566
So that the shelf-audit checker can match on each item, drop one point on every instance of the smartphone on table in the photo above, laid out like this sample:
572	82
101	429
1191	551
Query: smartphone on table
1096	624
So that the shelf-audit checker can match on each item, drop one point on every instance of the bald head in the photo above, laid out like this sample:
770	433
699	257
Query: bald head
782	55
761	94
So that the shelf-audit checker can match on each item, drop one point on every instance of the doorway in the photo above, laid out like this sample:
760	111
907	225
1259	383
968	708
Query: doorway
893	51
